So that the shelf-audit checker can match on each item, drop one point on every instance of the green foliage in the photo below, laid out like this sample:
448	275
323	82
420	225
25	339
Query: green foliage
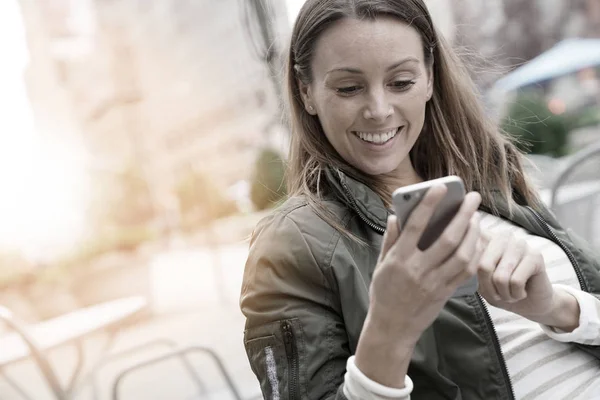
119	240
121	199
536	129
268	185
201	200
589	116
133	200
14	268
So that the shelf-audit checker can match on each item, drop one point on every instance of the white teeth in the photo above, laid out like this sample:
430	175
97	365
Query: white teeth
377	138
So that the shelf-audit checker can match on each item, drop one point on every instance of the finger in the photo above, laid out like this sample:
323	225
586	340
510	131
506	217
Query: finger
389	237
513	254
417	221
454	233
484	238
479	250
472	267
487	265
457	266
482	244
526	269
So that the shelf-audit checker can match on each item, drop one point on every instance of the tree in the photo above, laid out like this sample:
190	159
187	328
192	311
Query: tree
500	35
536	129
122	198
201	199
268	185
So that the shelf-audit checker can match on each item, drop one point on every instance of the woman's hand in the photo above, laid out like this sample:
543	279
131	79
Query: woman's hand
513	276
411	286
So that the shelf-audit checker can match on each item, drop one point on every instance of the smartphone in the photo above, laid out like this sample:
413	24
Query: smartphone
406	198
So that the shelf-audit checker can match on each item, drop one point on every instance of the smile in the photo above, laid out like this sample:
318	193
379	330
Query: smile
377	137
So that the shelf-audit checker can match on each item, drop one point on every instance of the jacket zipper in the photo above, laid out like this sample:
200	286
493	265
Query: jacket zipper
292	355
496	342
559	242
377	228
488	318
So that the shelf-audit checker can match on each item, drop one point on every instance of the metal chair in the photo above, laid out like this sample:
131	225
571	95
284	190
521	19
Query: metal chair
575	204
176	354
69	329
35	351
172	345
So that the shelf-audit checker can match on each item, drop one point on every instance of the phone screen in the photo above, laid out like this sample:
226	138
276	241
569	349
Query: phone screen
407	198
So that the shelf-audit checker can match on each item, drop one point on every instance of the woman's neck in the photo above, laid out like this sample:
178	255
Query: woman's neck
394	180
400	179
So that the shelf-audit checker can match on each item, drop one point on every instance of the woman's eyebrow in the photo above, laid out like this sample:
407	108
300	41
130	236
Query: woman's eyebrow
353	70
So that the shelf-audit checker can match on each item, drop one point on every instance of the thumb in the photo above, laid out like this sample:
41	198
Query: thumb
390	236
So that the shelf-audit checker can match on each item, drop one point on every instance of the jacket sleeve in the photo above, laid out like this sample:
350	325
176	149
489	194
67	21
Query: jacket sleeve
584	251
584	247
295	337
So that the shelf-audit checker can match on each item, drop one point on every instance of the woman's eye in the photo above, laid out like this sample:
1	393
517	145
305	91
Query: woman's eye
348	89
402	85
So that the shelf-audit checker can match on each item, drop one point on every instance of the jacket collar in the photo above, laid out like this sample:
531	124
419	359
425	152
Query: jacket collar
365	202
371	209
358	196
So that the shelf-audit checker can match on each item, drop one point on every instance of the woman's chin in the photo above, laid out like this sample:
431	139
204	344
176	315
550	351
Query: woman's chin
378	169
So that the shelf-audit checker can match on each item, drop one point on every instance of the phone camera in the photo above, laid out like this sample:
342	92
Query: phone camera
406	197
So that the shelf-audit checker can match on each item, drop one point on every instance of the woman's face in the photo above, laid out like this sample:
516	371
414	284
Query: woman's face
369	90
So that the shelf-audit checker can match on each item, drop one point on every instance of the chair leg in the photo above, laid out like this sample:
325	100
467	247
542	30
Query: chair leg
78	368
136	349
42	362
177	353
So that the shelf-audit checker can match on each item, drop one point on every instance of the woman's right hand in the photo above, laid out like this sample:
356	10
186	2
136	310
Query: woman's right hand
411	286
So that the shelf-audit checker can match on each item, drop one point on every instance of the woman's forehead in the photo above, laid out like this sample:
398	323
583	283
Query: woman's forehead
352	43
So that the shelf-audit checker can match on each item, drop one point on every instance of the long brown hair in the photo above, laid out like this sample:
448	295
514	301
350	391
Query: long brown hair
457	138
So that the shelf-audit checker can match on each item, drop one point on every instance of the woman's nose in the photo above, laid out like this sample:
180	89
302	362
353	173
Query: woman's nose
378	108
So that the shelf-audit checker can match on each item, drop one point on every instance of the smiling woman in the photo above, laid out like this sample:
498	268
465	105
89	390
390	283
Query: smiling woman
41	206
371	112
340	302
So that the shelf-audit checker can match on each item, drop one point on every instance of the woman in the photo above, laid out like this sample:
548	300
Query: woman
336	309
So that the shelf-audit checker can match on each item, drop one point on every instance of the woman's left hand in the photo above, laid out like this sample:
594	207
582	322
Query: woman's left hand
512	276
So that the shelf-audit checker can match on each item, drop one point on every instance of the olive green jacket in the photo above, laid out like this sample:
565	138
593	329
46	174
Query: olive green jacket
305	295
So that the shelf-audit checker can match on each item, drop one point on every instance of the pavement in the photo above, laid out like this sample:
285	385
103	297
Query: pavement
194	302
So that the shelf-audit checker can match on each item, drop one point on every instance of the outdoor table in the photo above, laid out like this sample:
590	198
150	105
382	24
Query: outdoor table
69	329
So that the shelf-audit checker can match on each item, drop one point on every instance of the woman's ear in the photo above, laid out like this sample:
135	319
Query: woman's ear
306	93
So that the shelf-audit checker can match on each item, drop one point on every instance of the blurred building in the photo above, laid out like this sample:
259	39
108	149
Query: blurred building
167	86
507	33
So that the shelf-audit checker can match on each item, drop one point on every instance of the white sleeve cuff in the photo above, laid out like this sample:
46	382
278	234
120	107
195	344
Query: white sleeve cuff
588	331
357	386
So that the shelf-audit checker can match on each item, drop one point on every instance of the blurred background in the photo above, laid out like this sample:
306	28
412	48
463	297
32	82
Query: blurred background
141	141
